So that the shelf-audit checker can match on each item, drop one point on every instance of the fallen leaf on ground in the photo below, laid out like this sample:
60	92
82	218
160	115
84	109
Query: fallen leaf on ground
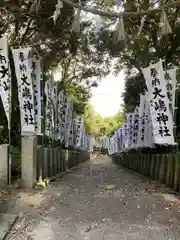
110	187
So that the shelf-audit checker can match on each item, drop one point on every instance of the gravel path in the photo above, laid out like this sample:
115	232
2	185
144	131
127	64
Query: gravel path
97	201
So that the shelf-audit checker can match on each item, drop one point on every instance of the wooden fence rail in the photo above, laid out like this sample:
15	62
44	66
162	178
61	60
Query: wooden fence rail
51	162
161	167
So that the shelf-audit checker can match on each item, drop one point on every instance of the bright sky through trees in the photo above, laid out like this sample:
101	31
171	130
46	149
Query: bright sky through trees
106	98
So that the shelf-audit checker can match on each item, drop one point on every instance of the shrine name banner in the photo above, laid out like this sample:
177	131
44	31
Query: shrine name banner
162	121
170	80
49	108
25	90
60	117
79	130
68	121
142	125
5	78
35	67
135	129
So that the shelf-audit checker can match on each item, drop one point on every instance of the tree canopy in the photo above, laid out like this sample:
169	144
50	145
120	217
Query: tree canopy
57	44
79	56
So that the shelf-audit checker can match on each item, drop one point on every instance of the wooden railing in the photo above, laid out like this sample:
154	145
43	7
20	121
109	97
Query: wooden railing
161	167
51	162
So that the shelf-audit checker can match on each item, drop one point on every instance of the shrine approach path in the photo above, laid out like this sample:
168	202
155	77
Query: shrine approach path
99	200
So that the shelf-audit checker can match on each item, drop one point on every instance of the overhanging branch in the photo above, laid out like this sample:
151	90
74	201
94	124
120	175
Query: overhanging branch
113	14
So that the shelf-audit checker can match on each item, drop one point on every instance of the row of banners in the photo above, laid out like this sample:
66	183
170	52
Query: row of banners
61	121
152	121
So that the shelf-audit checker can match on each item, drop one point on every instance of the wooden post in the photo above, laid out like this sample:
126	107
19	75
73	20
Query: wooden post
162	167
172	171
58	161
127	161
157	160
168	172
129	164
136	166
149	165
132	162
176	172
144	165
139	163
146	171
152	166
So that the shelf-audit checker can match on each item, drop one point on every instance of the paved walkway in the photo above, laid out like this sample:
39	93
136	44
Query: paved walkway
98	201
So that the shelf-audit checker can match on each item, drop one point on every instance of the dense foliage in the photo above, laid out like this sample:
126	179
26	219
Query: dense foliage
72	54
81	56
138	51
100	126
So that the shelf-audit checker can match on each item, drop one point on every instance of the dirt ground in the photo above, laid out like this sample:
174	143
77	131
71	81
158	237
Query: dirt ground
97	201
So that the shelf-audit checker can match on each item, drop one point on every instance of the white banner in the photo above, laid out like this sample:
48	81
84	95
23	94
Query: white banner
79	130
5	76
60	122
35	66
125	133
142	125
68	120
25	90
116	149
49	109
71	135
170	78
119	140
135	128
130	130
149	134
63	116
159	105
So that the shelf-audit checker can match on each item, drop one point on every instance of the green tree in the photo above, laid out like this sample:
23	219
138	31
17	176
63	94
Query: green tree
100	126
58	46
134	86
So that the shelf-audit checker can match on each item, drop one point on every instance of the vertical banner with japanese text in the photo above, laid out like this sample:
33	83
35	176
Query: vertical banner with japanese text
68	120
5	78
35	67
119	139
135	128
60	109
125	139
63	106
162	120
79	130
49	109
170	79
142	125
25	90
149	133
130	130
116	149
